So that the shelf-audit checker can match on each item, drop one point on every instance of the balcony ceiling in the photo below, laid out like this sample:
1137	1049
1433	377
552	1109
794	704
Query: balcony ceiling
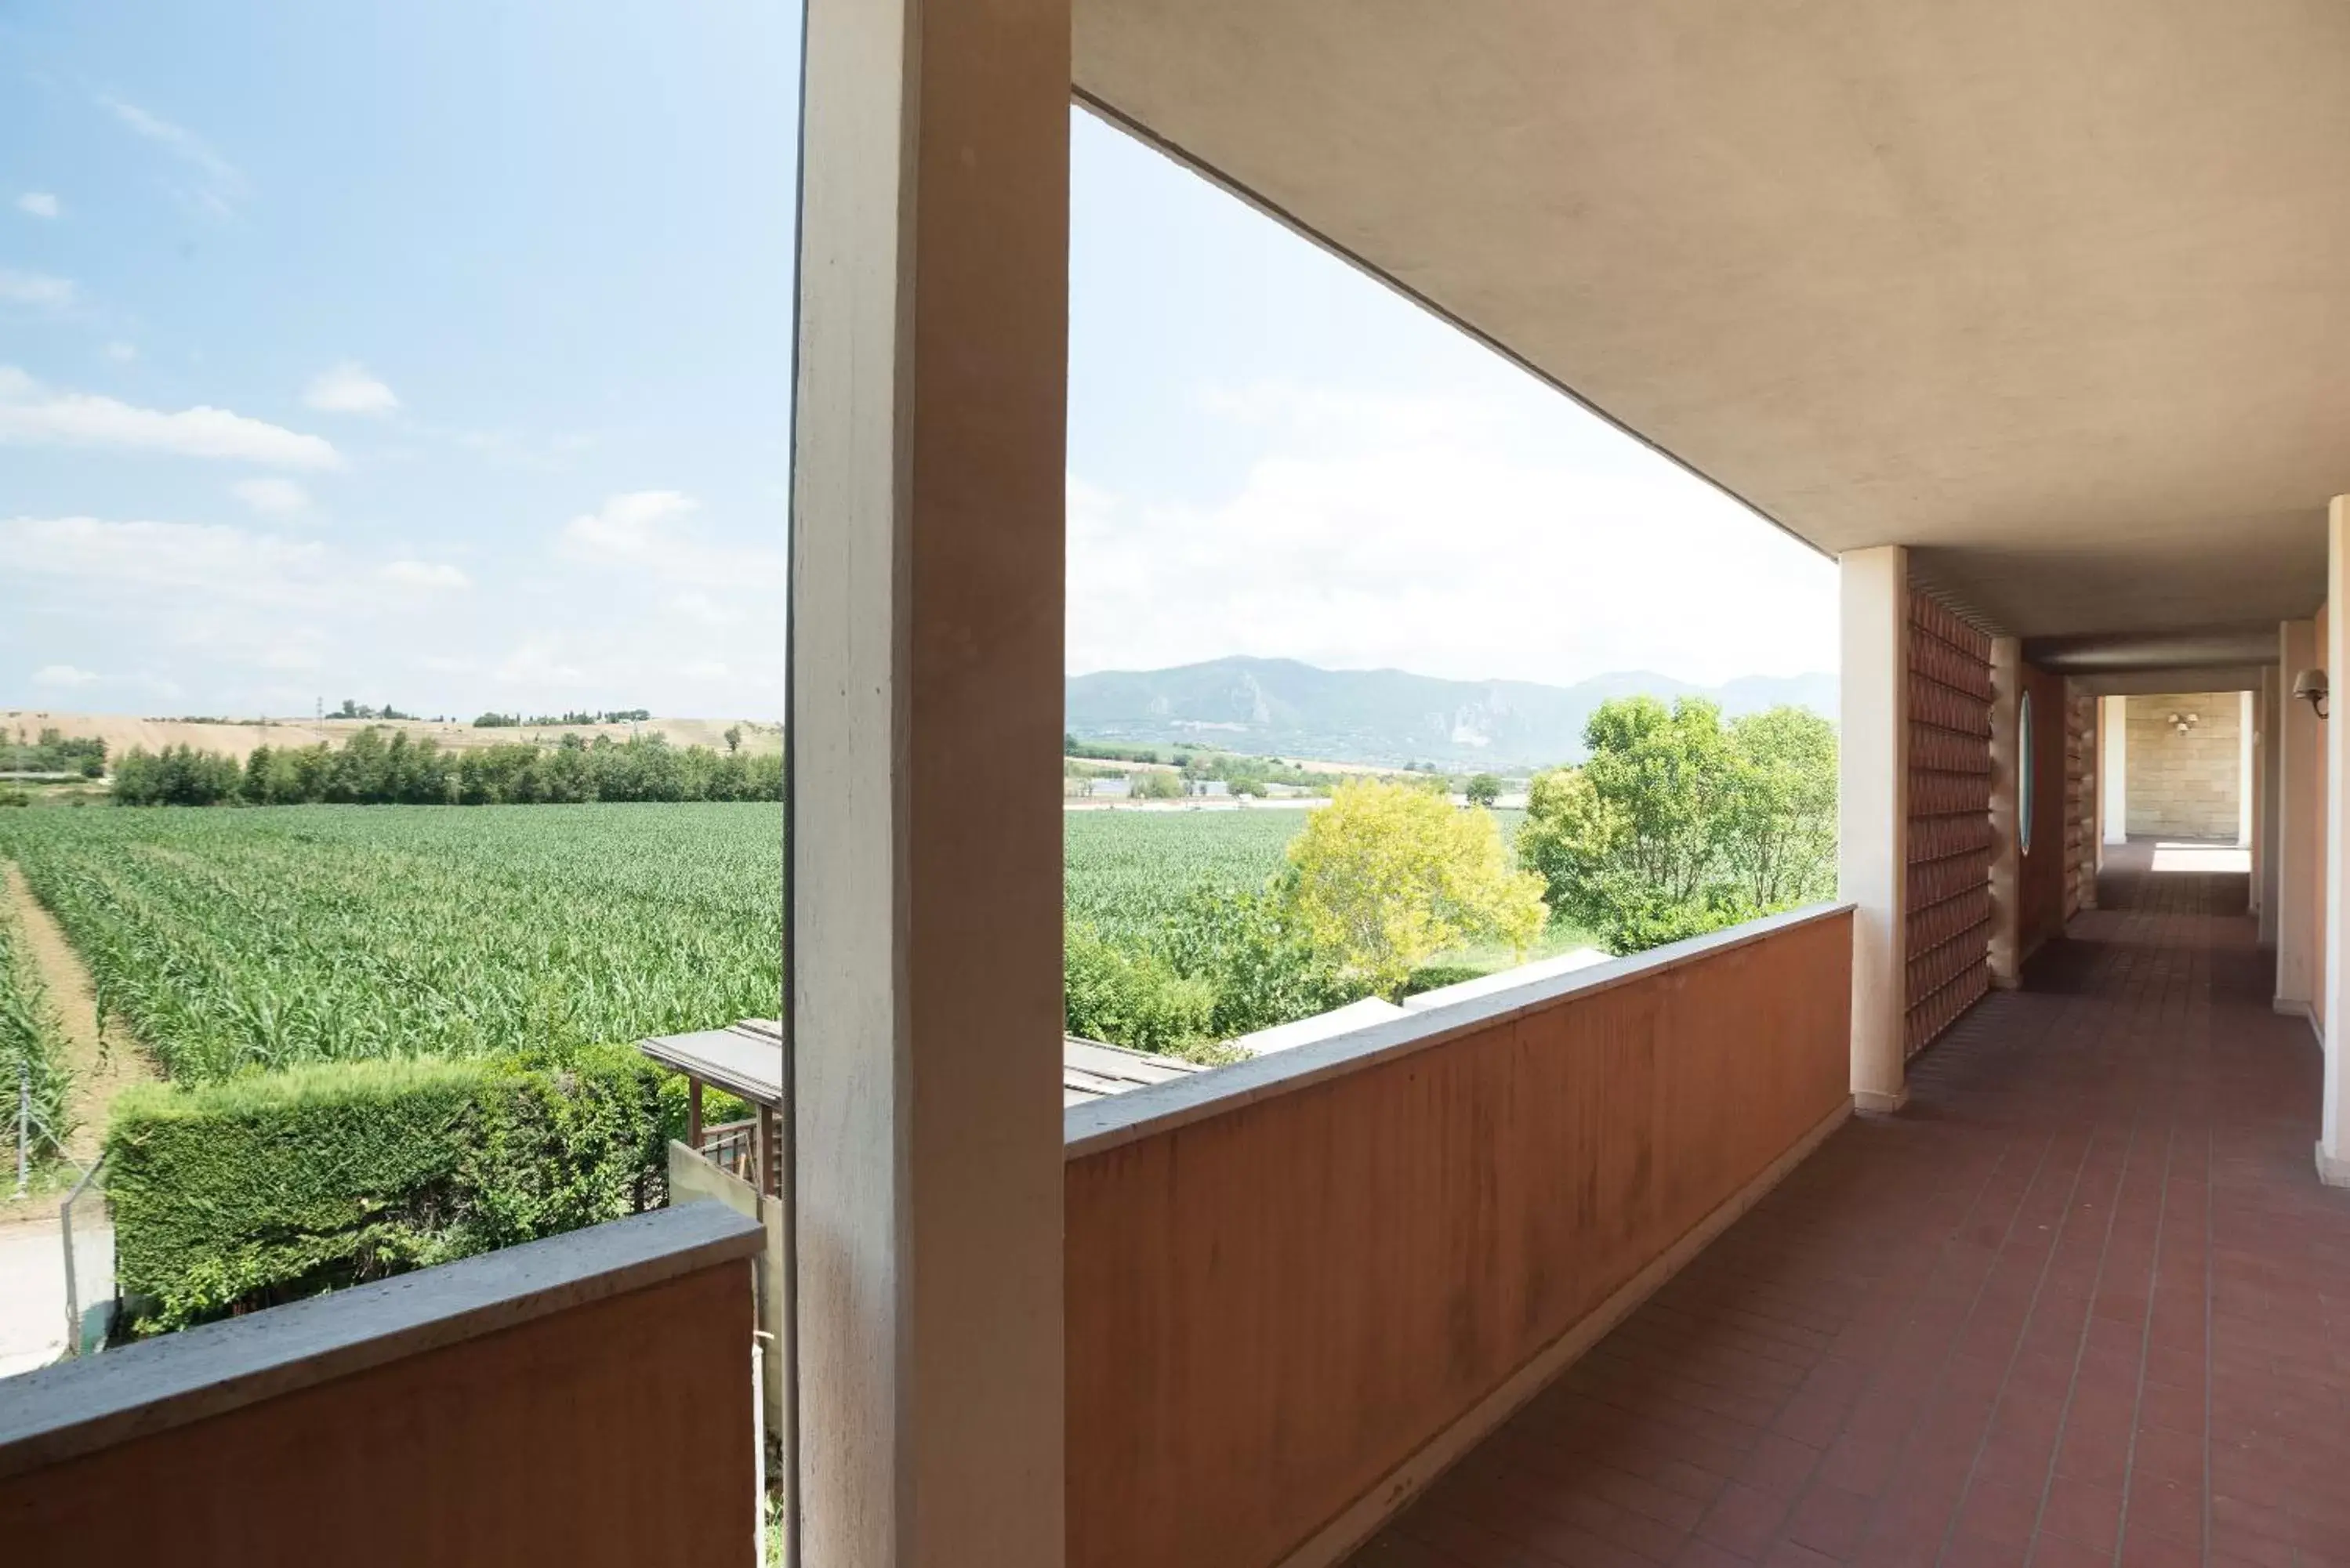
2057	292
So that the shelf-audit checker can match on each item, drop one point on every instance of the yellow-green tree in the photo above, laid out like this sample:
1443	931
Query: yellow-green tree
1388	876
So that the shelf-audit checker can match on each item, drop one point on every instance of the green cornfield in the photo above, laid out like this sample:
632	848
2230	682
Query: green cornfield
32	1051
232	940
1127	870
235	940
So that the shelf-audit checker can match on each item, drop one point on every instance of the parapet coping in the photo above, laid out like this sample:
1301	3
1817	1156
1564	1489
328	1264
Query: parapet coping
95	1402
1107	1124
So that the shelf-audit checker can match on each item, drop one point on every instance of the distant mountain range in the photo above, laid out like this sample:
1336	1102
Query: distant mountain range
1283	708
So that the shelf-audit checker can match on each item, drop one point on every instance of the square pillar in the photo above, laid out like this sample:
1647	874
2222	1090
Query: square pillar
2113	765
2334	936
1873	814
2266	825
924	957
2300	825
2006	803
2247	781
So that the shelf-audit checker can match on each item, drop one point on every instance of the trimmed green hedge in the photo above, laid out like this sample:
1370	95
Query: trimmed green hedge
262	1190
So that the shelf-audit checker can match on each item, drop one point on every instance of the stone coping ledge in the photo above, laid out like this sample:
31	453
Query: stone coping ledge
1107	1124
79	1407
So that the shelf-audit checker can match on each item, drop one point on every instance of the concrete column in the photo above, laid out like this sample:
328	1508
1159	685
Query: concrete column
925	840
2113	765
2334	957
2268	828
2091	800
2097	784
2247	732
2006	797
2299	824
1873	814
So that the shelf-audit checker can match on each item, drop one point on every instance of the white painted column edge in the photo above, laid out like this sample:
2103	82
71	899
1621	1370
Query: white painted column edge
1873	812
2333	1136
2113	765
2247	732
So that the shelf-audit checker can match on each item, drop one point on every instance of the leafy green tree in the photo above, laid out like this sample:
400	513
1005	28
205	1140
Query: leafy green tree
1131	996
1642	819
1154	784
1783	840
1260	966
1676	825
177	775
1483	790
1388	875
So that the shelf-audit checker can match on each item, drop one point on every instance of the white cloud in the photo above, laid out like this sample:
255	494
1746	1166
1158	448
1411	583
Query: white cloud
33	415
64	676
551	455
704	669
206	561
431	576
272	497
39	204
1452	538
36	289
252	619
626	530
293	659
699	607
217	185
538	661
650	532
347	388
121	353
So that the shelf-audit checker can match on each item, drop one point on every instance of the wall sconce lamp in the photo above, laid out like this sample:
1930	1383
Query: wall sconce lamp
2309	686
2182	722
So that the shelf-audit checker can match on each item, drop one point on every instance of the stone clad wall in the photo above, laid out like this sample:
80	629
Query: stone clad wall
2080	801
2185	786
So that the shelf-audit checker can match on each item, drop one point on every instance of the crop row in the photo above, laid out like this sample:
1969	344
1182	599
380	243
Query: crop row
32	1050
260	939
253	940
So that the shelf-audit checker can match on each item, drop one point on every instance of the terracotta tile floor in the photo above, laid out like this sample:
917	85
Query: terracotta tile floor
2083	1300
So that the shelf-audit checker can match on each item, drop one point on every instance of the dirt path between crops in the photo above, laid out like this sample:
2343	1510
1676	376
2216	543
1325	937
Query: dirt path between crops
101	1068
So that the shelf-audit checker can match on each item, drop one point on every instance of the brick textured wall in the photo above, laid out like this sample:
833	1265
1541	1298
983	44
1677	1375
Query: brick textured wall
2184	786
1949	818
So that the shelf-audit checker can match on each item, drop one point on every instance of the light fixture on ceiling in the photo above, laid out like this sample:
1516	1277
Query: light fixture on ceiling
2309	687
2182	722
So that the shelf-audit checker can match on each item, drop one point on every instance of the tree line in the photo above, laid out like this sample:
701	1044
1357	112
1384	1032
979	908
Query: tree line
1375	885
381	768
1675	825
53	752
495	720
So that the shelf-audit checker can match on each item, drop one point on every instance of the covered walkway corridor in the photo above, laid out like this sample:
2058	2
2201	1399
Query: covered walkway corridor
2079	1302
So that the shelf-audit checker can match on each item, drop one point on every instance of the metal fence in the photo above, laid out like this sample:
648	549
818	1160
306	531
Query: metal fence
87	1233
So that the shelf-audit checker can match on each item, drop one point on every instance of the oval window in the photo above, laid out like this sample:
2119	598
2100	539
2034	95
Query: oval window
2024	773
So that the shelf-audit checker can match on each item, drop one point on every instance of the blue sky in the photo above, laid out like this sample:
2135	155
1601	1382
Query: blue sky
439	354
